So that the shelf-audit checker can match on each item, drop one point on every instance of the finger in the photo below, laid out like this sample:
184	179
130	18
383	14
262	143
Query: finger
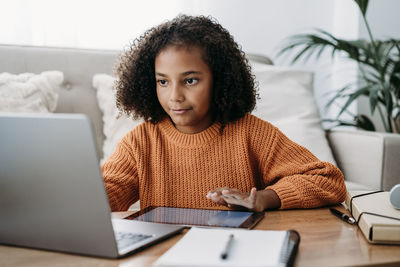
234	193
231	196
215	196
222	203
217	190
253	194
217	199
220	189
231	191
213	193
210	194
238	202
247	200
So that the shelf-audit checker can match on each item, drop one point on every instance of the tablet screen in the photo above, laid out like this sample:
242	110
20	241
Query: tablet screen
203	217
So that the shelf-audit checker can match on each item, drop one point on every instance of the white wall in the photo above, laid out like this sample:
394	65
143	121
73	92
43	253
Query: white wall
258	25
261	26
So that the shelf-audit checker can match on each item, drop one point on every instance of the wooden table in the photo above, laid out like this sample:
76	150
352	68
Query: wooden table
325	241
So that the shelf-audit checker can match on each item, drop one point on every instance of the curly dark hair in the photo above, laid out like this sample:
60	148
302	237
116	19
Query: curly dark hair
233	90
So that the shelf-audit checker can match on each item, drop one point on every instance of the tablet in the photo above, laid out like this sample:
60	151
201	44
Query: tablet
198	217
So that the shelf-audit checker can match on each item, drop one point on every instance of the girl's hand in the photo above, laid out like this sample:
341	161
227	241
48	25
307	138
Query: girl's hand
216	196
255	200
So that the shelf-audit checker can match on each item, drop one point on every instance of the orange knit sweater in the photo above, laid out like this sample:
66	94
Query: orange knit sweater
163	167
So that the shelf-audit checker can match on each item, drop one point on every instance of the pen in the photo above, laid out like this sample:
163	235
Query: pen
343	216
224	253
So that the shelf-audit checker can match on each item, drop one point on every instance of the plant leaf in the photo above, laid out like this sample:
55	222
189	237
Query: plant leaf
363	5
359	121
339	123
374	90
364	122
353	96
379	75
394	79
339	94
310	44
387	98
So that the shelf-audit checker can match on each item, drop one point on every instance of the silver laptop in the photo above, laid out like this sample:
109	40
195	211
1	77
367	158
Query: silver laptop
52	194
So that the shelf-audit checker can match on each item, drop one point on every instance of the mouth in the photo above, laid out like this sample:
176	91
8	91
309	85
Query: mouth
180	111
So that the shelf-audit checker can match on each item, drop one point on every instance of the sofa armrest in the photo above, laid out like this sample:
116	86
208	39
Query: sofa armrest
368	158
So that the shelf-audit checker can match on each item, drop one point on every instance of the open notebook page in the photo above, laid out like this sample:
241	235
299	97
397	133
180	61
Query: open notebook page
203	247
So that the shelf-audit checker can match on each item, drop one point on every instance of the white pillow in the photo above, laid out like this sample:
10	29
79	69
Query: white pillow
28	92
114	129
287	102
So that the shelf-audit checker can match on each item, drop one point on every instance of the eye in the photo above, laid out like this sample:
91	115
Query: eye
162	82
191	81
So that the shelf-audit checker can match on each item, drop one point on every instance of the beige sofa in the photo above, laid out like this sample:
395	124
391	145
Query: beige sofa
367	159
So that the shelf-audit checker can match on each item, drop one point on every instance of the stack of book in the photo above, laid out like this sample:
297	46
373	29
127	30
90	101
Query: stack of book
378	220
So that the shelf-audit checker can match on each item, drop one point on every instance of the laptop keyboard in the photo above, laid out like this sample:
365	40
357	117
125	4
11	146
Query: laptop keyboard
127	239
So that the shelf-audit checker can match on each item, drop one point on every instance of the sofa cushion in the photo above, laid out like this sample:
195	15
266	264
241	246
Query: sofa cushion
28	92
287	101
114	126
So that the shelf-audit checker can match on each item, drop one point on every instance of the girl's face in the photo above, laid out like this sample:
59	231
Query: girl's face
184	84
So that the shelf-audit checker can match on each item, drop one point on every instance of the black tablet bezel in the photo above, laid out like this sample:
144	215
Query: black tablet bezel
249	223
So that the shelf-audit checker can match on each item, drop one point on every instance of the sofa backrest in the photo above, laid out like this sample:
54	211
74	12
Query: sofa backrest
77	94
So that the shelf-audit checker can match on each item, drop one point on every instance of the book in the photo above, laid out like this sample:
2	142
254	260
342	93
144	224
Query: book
376	229
203	247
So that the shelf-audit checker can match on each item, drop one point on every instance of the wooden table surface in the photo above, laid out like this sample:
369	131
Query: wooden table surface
325	241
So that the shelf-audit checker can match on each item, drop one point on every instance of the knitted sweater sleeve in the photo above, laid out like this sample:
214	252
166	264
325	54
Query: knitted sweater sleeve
298	177
121	177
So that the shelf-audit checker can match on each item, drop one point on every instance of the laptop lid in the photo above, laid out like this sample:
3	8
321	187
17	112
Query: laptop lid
50	196
52	193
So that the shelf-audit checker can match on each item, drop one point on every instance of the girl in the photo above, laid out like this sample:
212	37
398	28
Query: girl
199	146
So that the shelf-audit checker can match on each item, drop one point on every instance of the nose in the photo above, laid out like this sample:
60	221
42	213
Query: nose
176	94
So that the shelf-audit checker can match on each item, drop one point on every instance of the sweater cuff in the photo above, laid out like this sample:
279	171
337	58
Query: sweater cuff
287	193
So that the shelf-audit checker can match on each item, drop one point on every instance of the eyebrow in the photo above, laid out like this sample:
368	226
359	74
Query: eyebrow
183	74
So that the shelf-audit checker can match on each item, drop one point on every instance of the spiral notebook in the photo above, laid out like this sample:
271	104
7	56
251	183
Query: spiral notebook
203	247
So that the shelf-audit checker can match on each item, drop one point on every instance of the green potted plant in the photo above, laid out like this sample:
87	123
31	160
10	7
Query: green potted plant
379	75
